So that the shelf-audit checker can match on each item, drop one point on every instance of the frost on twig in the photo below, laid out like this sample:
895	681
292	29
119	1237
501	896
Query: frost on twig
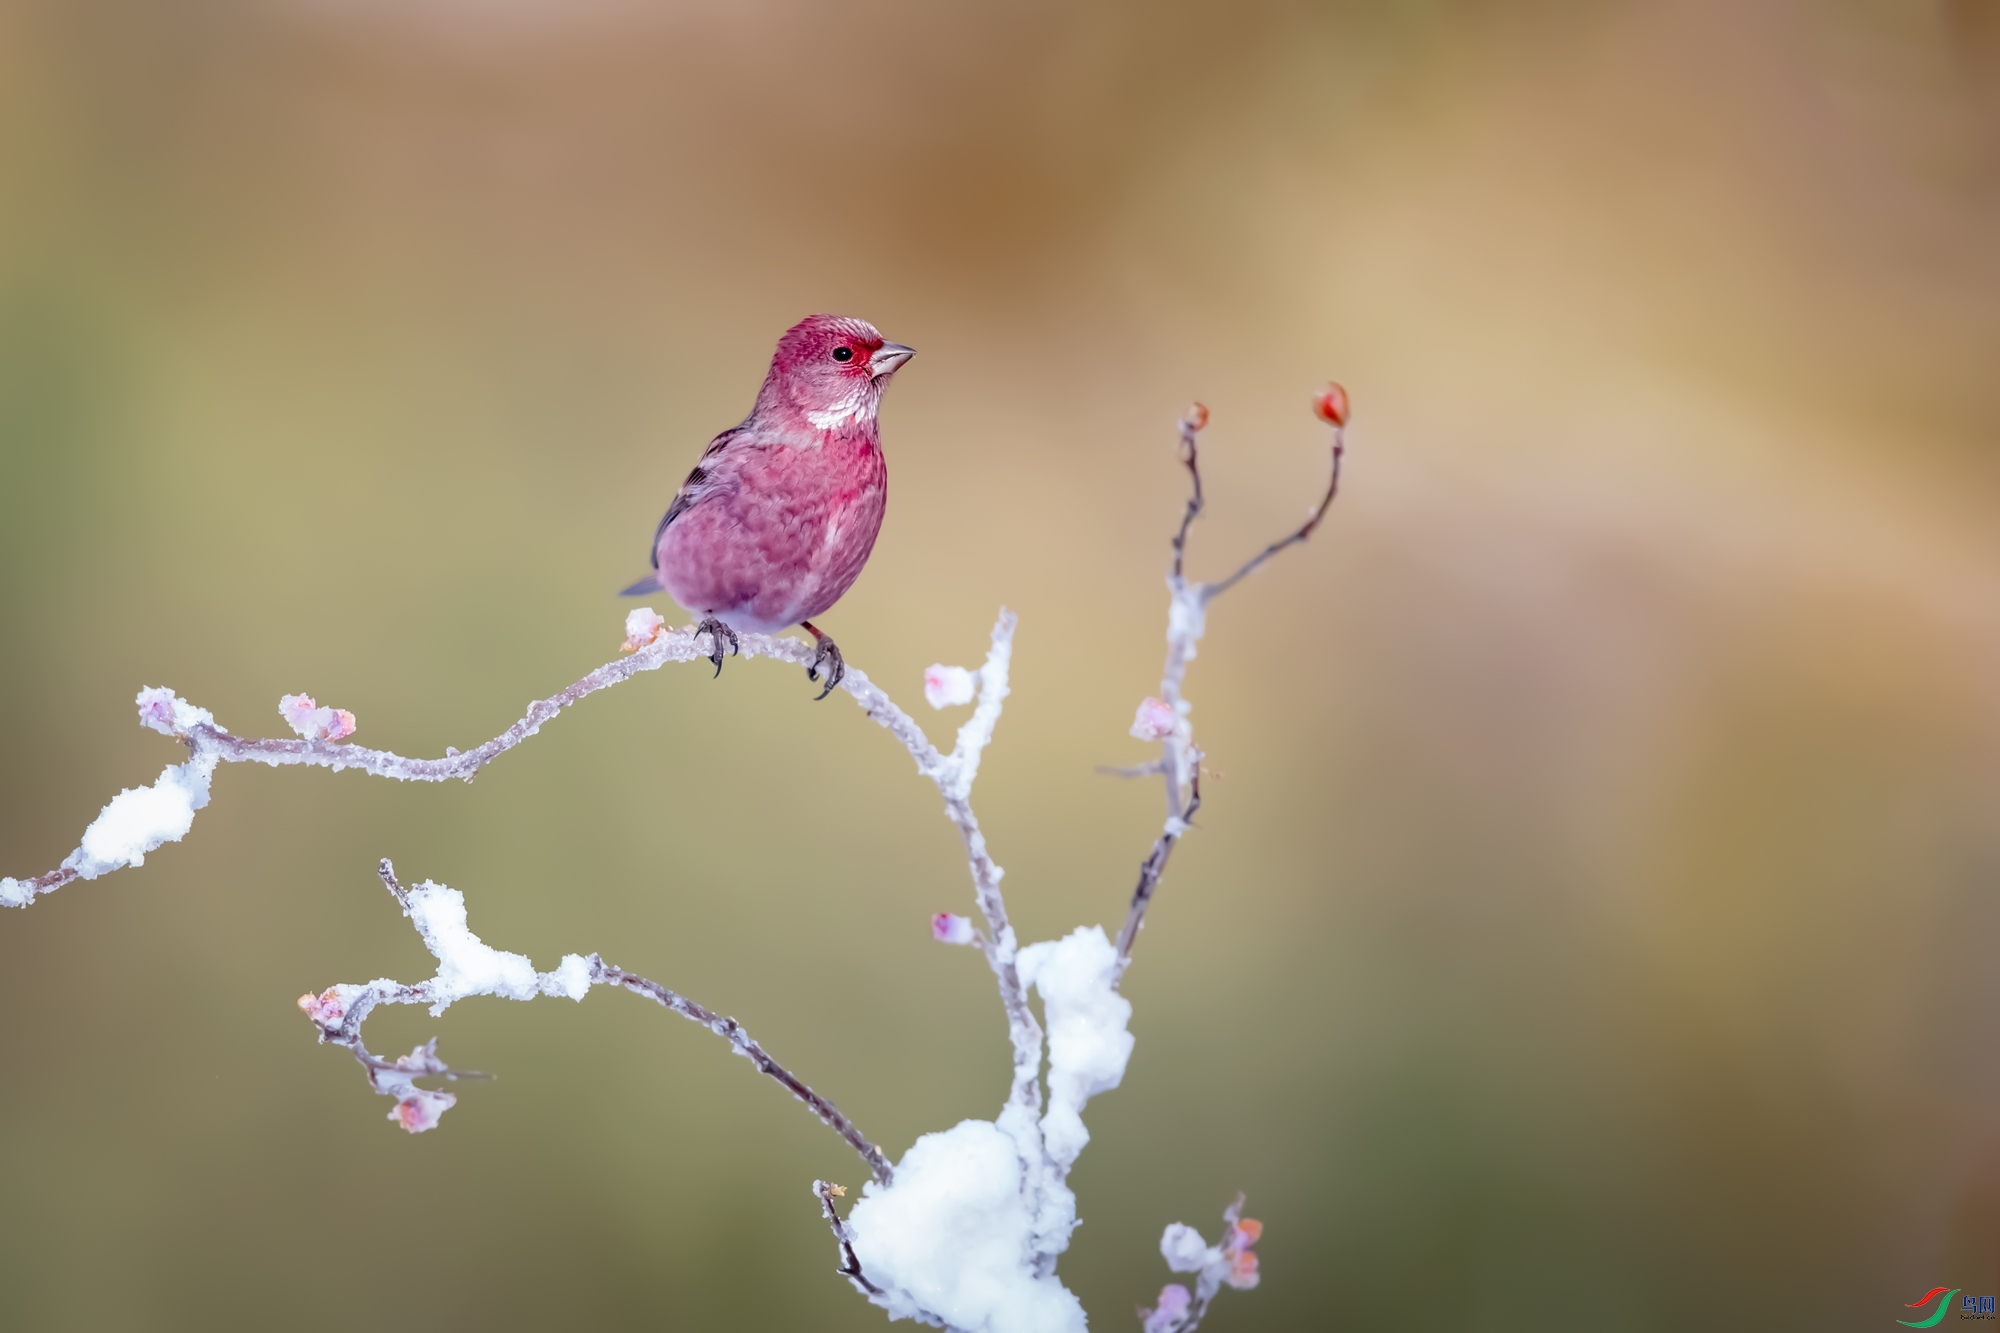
1229	1262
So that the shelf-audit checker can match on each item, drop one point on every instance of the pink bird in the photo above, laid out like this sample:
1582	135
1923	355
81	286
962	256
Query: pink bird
778	518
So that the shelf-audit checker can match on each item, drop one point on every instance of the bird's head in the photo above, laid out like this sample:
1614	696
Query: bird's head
831	370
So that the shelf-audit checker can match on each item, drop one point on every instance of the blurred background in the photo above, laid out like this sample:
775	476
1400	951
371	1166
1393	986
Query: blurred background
1592	925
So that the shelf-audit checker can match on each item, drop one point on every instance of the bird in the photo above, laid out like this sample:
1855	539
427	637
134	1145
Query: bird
775	522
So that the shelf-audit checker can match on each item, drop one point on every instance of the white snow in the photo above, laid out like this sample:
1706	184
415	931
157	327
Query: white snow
15	892
949	686
571	978
466	966
1184	1249
140	819
952	1238
642	626
1086	1017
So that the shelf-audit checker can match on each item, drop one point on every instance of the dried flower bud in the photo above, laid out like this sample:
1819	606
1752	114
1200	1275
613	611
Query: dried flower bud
837	1191
1195	417
326	1008
641	628
1242	1269
1249	1231
420	1110
1330	405
1167	1315
1155	720
949	929
946	686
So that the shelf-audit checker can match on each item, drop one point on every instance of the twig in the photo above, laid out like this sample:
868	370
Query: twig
850	1267
732	1032
340	1011
1180	762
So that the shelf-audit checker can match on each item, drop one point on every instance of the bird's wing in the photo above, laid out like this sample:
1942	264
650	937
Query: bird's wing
700	484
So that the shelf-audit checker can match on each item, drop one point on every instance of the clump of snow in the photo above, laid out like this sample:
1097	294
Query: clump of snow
571	979
1187	617
140	819
1183	1248
1169	1313
951	1239
466	965
169	714
949	929
641	628
949	686
313	722
1086	1017
1154	721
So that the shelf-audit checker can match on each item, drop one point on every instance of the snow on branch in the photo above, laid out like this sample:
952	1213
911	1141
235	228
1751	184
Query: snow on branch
964	1232
467	966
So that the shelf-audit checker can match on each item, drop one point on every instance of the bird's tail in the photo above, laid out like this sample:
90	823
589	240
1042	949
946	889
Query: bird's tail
645	587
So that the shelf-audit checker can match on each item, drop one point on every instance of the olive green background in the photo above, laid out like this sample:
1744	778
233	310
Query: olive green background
1593	923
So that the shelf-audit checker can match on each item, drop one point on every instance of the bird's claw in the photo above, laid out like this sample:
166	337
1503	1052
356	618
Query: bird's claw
717	632
826	650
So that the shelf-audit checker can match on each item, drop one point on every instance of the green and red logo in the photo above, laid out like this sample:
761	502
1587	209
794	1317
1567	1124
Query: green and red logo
1938	1294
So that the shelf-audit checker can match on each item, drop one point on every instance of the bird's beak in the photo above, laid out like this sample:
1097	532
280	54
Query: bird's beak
886	361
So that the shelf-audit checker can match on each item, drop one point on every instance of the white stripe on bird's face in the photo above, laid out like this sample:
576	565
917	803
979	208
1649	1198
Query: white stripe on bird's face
858	405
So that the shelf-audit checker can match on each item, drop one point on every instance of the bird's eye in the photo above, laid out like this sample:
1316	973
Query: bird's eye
843	353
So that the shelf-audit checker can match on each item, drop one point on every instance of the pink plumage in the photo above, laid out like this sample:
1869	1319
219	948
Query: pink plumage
776	521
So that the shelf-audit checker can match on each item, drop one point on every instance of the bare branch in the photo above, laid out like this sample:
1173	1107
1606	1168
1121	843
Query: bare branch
1214	590
1155	866
732	1032
1180	762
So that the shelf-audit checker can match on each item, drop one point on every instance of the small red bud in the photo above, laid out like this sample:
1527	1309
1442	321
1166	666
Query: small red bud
1195	417
1330	405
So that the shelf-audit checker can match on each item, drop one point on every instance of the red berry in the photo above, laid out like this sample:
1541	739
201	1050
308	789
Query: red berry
1330	405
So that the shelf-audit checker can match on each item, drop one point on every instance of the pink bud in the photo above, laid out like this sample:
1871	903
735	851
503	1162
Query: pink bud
1195	417
1167	1315
949	929
325	1009
421	1109
313	722
1330	405
642	627
156	710
1248	1232
1242	1269
1155	721
298	709
948	686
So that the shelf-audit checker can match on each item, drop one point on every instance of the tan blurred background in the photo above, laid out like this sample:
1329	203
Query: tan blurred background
1594	926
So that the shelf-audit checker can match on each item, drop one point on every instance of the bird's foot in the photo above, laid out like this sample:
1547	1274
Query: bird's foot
827	651
718	633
